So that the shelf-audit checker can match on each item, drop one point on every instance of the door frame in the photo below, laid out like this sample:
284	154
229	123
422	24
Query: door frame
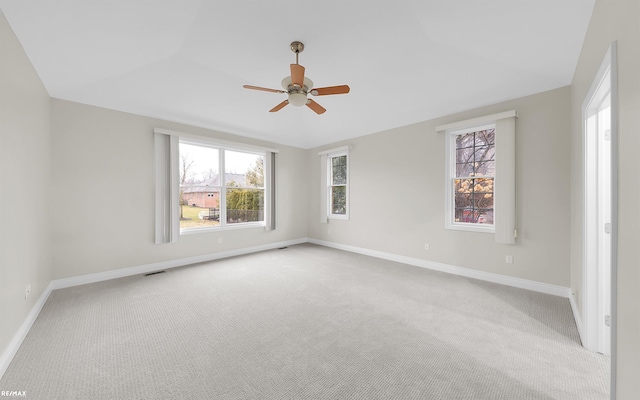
592	293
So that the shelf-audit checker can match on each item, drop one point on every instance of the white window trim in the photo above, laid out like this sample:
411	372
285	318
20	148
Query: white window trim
325	177
205	140
450	174
470	123
504	223
167	212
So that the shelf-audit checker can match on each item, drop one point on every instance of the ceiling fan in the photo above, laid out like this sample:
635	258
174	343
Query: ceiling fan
297	87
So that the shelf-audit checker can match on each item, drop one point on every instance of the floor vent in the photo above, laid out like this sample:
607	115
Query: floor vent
154	273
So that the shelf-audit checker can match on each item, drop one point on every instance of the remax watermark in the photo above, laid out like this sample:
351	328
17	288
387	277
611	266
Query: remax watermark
13	393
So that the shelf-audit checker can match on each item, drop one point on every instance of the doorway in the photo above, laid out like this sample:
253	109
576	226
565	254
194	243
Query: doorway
599	113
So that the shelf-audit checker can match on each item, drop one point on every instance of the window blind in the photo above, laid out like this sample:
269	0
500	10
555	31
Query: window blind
167	225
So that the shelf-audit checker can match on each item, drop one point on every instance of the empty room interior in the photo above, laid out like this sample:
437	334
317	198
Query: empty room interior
330	200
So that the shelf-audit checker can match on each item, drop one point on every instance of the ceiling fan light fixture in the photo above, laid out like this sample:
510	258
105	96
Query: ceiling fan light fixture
297	99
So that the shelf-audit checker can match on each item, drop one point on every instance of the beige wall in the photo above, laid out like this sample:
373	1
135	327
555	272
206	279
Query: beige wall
397	194
615	20
25	191
103	193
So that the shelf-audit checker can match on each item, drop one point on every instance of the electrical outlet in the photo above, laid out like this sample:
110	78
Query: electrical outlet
509	260
427	246
27	291
219	240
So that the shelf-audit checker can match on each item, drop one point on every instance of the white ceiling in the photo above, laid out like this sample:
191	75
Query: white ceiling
405	60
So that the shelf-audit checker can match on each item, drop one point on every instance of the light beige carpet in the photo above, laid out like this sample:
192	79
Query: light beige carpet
306	322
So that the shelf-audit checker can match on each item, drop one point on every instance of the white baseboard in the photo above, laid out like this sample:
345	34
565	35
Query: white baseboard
18	338
143	269
452	269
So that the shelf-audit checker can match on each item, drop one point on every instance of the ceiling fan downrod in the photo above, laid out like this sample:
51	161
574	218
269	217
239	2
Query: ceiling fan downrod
297	47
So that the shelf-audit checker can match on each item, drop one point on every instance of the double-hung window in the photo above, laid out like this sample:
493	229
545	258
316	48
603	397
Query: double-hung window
335	184
338	165
480	175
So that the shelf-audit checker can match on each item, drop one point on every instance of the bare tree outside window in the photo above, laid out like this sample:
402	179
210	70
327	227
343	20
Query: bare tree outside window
186	165
199	186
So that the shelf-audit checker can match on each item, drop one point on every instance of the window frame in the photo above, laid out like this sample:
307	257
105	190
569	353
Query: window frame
167	186
450	176
330	185
222	147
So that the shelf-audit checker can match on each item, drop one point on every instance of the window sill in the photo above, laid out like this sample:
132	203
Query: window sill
246	225
471	228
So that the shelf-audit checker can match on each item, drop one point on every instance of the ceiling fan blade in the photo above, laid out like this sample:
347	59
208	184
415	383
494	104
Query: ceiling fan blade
279	106
297	74
342	89
263	89
316	107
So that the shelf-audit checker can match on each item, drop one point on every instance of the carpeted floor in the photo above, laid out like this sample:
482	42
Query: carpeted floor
306	322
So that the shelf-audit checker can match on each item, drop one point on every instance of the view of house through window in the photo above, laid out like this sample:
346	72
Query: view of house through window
209	198
474	176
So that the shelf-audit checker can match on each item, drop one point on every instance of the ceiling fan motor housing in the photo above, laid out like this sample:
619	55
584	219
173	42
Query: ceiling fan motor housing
297	95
